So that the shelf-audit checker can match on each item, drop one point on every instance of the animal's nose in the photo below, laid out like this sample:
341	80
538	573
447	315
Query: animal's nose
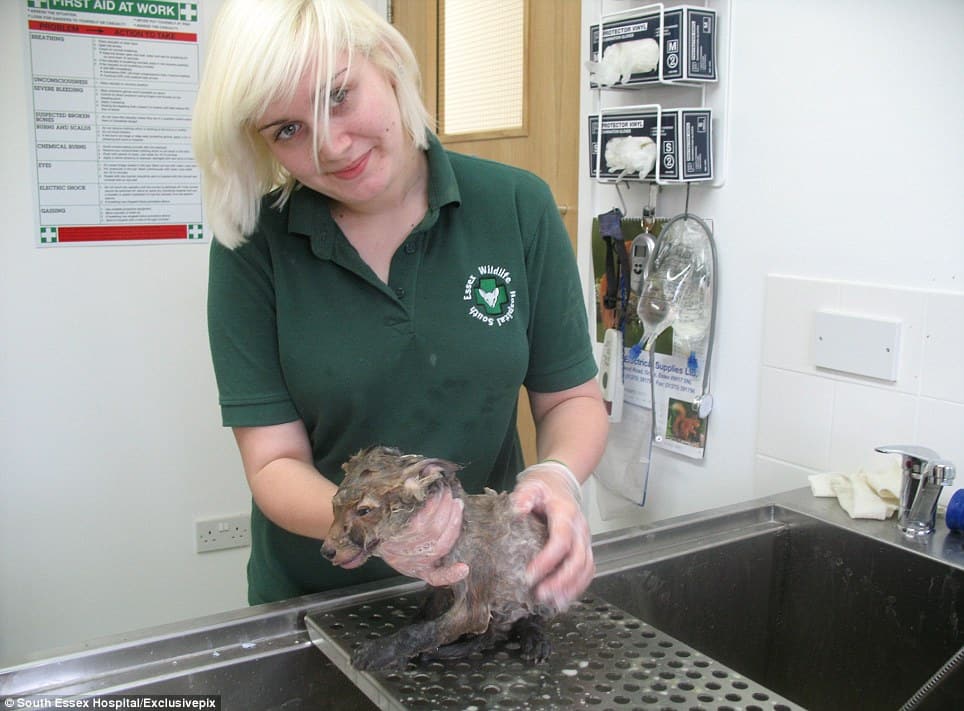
327	550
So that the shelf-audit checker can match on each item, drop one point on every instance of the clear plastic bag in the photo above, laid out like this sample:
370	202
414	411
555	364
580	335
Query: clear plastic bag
624	469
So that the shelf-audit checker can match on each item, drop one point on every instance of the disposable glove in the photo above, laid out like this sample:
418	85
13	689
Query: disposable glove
430	534
564	568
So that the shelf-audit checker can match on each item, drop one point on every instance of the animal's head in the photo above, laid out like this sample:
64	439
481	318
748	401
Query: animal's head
381	491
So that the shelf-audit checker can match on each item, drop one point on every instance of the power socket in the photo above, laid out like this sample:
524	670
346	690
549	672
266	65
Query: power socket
216	534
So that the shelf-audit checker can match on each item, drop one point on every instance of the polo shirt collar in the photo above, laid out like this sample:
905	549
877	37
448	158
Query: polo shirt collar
443	188
308	212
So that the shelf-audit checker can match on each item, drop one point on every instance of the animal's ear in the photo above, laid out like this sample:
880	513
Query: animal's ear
366	461
425	476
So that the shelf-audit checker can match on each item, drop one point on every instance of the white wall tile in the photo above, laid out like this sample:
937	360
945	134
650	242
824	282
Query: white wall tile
772	476
796	413
940	426
904	305
868	417
827	421
942	368
788	319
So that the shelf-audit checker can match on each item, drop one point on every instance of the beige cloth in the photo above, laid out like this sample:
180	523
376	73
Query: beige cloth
875	495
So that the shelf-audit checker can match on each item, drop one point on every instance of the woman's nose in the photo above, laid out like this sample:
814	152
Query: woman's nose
336	145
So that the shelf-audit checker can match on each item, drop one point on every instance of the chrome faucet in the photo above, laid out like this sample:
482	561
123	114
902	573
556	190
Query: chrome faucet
924	475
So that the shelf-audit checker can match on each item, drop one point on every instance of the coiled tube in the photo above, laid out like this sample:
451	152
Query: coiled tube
949	667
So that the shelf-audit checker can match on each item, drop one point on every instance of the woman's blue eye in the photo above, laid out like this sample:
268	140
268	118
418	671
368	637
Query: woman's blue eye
338	96
286	131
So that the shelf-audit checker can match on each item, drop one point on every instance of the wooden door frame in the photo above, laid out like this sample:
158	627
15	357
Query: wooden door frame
423	39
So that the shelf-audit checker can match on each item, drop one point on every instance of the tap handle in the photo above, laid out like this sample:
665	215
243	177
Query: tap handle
914	458
921	454
939	472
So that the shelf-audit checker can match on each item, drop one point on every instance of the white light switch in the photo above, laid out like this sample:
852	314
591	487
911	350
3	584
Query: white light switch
856	344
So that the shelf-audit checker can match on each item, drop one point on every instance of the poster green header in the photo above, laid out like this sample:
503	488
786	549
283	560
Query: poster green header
156	9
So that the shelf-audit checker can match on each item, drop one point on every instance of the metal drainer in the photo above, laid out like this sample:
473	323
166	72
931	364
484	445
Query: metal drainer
602	658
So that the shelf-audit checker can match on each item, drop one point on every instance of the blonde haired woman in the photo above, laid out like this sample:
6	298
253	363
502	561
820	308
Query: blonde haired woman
369	287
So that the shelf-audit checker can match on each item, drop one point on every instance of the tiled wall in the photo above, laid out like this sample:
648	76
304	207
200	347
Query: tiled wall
815	420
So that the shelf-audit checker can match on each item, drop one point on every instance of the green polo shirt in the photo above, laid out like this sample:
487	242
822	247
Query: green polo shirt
483	296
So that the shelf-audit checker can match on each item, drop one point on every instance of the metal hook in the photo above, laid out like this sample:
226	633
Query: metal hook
622	201
649	210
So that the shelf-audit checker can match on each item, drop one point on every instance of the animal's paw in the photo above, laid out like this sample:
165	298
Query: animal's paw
377	655
536	648
533	640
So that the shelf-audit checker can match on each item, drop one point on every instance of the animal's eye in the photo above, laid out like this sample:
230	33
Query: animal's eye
363	511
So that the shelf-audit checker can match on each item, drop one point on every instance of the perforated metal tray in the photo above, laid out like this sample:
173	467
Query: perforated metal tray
602	658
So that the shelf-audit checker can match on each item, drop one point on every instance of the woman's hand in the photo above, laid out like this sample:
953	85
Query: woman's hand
564	568
571	427
426	539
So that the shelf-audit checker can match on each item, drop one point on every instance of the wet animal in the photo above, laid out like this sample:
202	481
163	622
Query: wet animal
382	490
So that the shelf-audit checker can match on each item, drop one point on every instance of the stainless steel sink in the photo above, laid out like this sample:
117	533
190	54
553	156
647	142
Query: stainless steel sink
297	680
255	659
828	612
787	592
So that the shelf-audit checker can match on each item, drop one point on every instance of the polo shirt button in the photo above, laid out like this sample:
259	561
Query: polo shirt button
410	248
400	293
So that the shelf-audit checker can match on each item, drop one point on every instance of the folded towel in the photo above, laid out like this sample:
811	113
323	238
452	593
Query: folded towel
821	485
861	495
886	484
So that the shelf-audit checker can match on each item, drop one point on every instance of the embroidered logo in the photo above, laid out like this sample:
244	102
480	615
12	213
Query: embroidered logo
490	295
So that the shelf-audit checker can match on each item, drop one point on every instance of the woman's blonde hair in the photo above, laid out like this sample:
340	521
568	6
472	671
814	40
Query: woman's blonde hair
259	51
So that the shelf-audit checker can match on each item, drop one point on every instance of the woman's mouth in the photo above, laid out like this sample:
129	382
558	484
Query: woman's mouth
353	170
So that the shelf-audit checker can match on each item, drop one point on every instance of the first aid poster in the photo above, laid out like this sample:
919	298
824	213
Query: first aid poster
113	85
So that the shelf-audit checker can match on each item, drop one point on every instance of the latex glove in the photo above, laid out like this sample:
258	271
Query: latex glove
564	568
428	537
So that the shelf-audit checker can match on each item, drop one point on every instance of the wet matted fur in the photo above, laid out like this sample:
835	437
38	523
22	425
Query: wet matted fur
382	490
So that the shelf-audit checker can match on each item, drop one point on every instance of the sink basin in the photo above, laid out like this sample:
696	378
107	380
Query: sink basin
296	680
831	614
786	592
254	659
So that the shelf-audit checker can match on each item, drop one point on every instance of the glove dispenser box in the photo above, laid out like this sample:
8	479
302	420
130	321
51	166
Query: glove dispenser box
683	138
632	54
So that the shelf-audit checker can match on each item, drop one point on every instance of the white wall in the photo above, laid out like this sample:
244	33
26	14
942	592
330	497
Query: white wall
110	437
845	166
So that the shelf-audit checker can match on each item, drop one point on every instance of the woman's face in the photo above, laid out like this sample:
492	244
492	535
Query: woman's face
367	152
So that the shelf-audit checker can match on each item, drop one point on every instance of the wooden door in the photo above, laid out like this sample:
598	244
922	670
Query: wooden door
550	145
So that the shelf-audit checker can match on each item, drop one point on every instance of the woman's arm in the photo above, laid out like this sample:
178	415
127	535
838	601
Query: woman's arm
571	427
294	495
283	479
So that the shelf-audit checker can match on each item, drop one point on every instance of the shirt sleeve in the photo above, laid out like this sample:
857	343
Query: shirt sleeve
560	348
242	329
